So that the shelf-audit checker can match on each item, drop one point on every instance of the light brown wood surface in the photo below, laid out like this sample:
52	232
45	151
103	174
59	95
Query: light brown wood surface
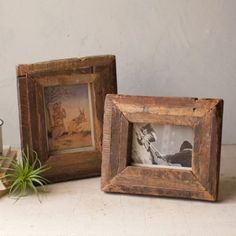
100	72
203	115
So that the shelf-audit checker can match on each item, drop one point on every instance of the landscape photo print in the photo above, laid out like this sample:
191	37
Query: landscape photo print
157	145
69	118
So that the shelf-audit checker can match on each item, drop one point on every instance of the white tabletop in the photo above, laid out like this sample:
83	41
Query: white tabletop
80	208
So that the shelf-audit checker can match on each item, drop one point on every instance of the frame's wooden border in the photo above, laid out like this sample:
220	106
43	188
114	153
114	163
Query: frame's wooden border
100	72
203	115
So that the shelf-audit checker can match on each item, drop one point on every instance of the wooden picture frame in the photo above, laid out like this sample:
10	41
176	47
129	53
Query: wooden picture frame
123	113
61	105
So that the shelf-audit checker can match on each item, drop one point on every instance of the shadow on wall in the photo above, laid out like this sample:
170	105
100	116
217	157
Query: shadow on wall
227	189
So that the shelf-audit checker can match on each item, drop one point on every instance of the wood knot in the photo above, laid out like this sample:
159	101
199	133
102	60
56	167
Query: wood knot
145	109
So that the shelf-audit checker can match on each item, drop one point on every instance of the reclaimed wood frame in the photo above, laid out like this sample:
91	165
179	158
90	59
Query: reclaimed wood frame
100	73
203	115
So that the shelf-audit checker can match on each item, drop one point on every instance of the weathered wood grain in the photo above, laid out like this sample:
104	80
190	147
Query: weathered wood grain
100	73
71	65
203	115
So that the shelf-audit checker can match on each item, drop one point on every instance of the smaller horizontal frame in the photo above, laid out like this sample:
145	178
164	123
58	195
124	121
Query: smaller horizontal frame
204	116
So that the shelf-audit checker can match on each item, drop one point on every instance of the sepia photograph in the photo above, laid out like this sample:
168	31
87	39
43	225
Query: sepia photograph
162	145
69	118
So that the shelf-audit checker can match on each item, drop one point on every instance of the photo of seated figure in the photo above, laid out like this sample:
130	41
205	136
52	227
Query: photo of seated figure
69	118
183	157
162	148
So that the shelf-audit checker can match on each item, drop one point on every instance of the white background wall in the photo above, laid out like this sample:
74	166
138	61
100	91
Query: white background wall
163	47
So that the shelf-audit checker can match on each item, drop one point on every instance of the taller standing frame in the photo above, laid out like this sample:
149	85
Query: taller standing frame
61	107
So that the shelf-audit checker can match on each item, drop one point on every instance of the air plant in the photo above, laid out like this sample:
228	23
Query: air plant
22	177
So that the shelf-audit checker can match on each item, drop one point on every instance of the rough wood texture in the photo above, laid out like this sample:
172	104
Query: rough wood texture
203	115
100	72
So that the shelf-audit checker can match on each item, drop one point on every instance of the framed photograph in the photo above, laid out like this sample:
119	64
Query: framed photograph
61	106
162	146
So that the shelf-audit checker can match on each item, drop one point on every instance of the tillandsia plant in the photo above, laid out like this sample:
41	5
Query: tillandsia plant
22	177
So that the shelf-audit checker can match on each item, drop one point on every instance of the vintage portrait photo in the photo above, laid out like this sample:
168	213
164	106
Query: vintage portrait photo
69	118
162	145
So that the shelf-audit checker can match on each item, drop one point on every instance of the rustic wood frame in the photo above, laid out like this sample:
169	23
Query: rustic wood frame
100	73
203	115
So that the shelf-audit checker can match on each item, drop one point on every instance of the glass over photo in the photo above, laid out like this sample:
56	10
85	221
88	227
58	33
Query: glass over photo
155	145
69	118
